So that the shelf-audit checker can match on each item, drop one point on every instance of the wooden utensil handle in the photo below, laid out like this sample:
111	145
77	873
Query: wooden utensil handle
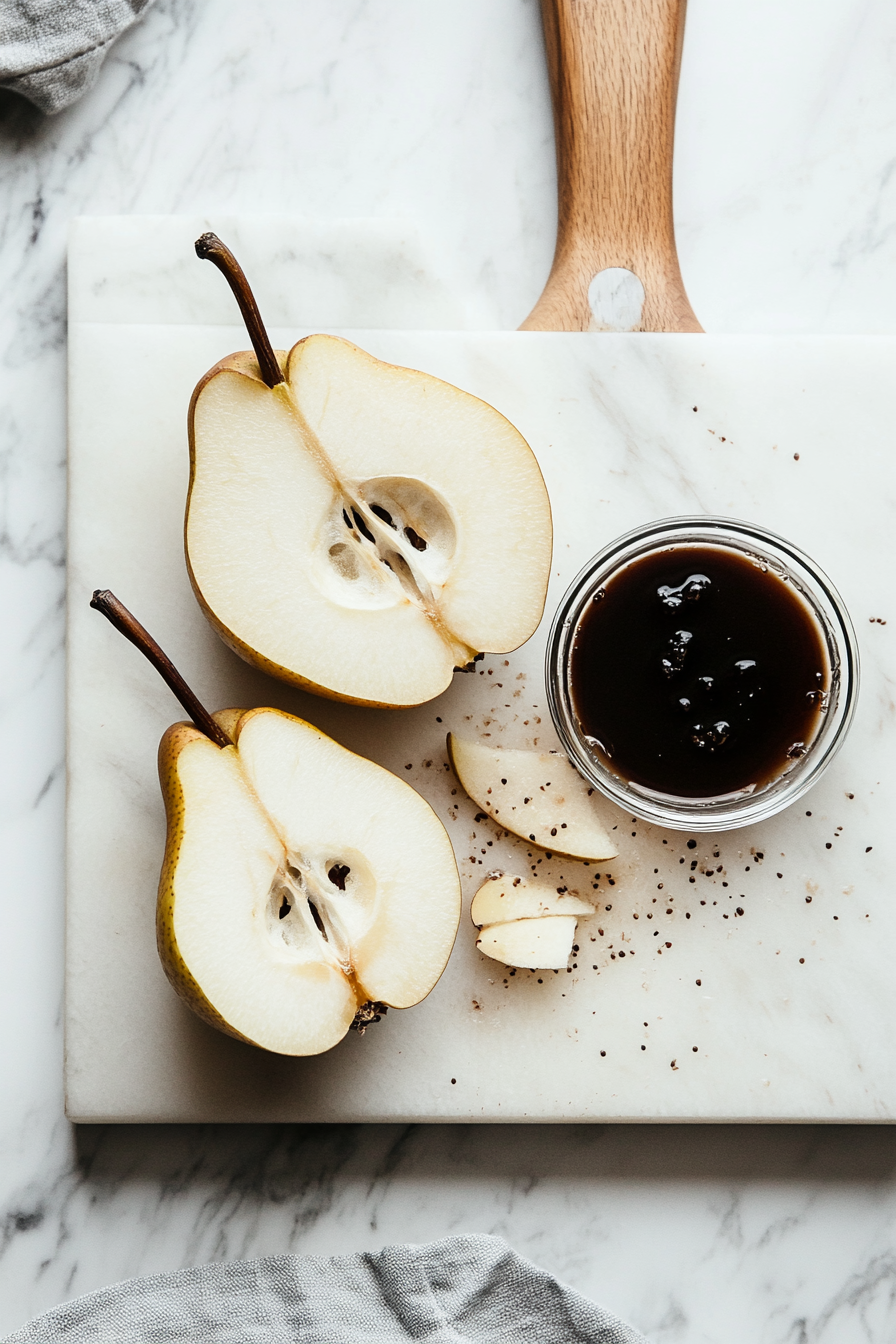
613	67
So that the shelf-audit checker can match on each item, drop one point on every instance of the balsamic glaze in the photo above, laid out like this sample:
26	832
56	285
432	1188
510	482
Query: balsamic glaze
695	673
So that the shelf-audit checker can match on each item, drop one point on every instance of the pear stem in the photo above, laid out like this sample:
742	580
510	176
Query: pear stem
210	248
128	625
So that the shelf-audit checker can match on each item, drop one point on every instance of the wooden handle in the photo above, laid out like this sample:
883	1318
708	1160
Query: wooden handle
613	67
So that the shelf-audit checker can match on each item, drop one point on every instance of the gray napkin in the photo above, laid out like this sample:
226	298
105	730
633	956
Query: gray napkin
464	1290
51	50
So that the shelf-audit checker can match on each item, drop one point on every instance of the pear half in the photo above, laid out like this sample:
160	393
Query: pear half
300	883
526	924
536	795
361	529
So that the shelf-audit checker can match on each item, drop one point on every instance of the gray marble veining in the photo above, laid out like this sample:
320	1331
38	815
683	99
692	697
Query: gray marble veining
784	202
708	1234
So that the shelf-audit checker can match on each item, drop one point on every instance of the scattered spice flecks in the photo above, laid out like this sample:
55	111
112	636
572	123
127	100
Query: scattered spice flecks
695	888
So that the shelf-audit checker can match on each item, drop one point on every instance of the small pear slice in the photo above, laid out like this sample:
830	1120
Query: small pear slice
531	944
503	898
536	795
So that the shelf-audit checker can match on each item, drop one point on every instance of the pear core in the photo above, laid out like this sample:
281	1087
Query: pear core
300	882
361	529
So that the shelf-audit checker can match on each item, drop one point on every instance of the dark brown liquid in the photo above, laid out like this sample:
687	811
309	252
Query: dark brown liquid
695	673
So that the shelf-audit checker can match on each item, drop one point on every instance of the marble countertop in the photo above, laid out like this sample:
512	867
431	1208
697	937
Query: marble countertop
785	206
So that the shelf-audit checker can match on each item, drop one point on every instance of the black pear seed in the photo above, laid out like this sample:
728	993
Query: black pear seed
362	526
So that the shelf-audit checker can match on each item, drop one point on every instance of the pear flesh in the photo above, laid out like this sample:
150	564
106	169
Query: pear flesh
300	882
361	529
530	944
526	924
503	898
536	795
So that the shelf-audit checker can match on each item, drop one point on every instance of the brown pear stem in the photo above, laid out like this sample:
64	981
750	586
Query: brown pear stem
130	627
210	248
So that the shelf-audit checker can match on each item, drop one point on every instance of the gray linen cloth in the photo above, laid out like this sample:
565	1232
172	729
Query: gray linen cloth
51	50
463	1290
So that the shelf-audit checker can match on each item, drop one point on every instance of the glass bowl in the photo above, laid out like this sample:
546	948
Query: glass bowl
751	803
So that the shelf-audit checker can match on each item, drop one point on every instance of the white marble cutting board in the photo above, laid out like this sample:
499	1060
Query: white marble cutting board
784	1012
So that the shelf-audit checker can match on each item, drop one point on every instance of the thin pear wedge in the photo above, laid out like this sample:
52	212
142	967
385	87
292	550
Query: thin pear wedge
536	795
304	889
354	527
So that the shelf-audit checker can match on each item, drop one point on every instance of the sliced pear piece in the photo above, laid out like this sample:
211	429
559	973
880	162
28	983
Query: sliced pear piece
303	887
526	924
355	527
536	795
531	944
503	898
